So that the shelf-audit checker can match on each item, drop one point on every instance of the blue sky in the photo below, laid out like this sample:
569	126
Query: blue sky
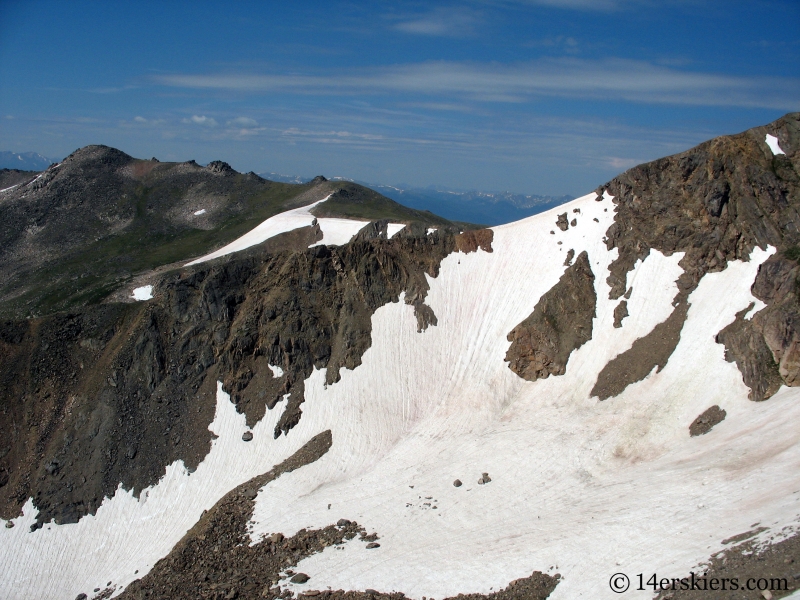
530	96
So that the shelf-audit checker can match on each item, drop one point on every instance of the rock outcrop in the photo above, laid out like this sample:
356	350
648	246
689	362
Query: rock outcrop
717	202
560	322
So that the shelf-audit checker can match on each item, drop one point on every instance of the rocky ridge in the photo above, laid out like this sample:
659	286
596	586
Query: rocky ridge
113	393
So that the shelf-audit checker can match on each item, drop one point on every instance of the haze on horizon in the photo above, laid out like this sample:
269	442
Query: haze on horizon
531	96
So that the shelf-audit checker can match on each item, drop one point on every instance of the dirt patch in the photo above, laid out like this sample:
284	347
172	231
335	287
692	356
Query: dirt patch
646	353
774	568
707	420
560	322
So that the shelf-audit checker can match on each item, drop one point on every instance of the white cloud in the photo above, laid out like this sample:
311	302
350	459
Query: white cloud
140	119
201	120
611	79
242	122
450	22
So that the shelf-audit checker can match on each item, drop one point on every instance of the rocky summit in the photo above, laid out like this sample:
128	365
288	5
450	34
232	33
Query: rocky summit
218	386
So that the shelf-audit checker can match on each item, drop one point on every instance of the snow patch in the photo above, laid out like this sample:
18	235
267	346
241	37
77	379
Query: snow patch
9	188
202	211
393	228
772	142
276	371
143	293
430	230
334	231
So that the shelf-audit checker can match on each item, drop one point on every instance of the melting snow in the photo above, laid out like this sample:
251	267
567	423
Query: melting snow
8	188
143	293
200	212
772	142
276	371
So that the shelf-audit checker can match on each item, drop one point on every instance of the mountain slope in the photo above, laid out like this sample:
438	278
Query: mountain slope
71	235
588	437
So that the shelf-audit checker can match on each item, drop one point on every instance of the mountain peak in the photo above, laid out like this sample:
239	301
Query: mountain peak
220	168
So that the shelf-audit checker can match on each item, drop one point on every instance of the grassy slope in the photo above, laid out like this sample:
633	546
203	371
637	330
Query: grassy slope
354	201
91	272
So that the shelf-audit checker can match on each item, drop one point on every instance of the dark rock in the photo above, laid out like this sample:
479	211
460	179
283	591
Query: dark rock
570	256
81	597
247	436
470	241
646	353
745	344
703	423
457	483
574	222
560	322
300	578
372	545
221	168
620	312
342	523
562	222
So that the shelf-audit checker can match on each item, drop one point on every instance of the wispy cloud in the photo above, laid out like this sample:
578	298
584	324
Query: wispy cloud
606	80
442	21
201	120
242	122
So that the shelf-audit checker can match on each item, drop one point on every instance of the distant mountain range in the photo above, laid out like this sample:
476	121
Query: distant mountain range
486	208
24	161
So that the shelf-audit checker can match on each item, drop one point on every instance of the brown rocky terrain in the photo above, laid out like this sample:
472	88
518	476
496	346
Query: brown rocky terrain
717	202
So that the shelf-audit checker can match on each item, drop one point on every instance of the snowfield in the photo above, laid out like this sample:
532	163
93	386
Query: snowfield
335	232
580	487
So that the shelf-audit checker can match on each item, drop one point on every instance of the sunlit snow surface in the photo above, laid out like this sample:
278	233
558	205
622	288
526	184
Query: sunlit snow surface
394	228
202	211
143	293
335	232
772	142
593	487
